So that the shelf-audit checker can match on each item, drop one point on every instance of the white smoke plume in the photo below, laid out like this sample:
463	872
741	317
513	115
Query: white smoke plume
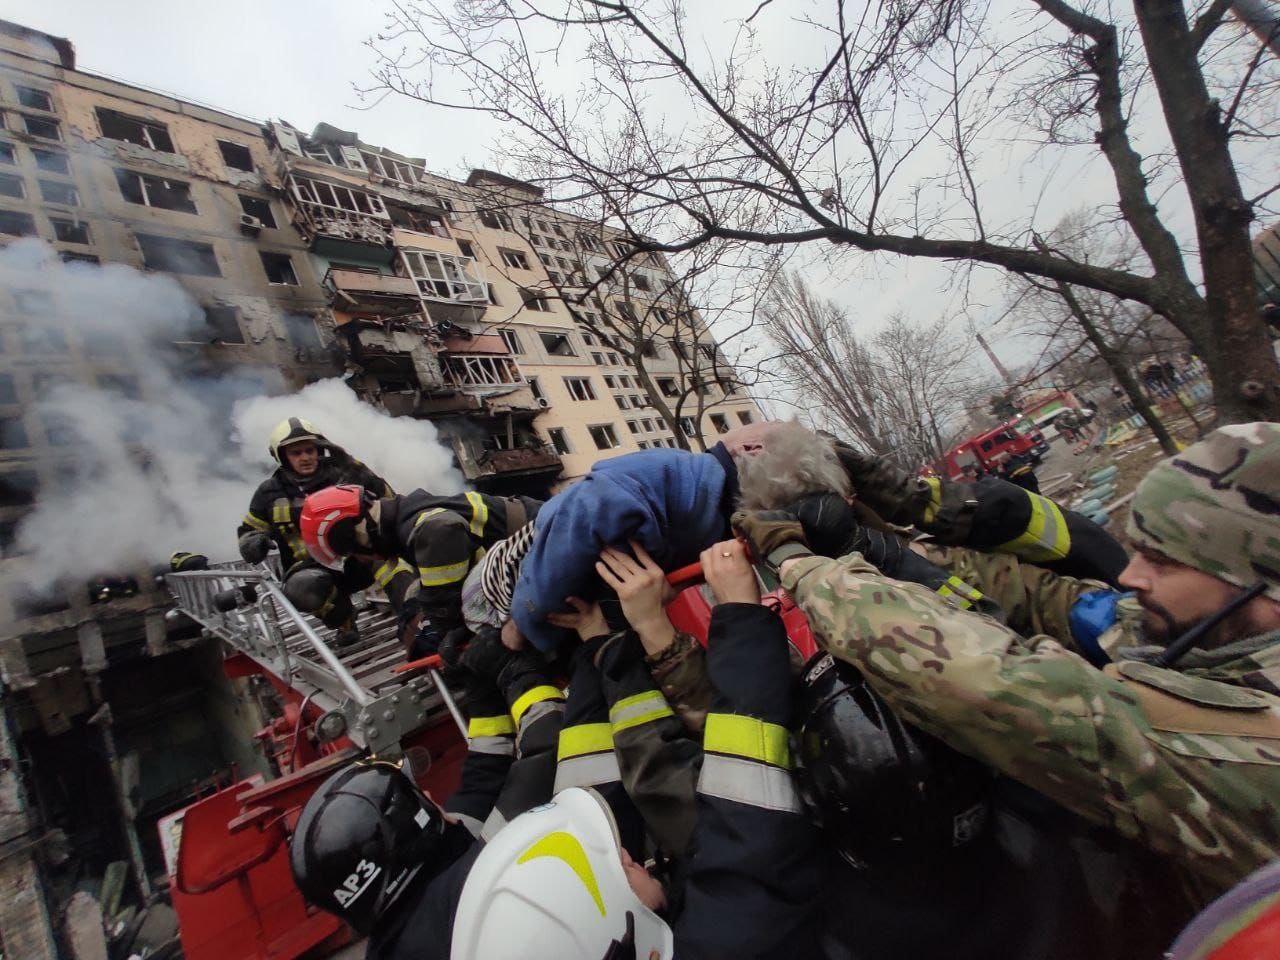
173	467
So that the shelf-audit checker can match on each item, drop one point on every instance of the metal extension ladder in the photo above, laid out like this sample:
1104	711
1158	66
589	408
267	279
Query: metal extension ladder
362	689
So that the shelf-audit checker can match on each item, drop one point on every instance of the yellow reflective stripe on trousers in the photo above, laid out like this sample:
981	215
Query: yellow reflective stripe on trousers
490	727
748	782
935	498
427	515
251	521
637	709
1046	537
447	573
479	512
962	595
747	737
387	572
530	697
584	738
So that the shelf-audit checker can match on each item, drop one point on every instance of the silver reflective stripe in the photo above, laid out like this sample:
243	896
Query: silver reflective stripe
491	826
590	770
539	709
756	784
473	825
497	746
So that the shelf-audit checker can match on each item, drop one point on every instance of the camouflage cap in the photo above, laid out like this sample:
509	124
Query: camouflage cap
1216	506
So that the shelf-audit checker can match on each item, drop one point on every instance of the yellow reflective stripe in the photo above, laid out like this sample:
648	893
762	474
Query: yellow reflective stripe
962	595
447	573
1046	537
387	572
282	512
740	736
251	521
490	726
584	738
479	512
427	515
935	498
637	709
530	697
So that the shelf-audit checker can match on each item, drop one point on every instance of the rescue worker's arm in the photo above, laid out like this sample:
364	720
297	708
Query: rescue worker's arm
990	514
255	533
1182	785
753	881
680	671
658	762
442	553
532	719
1074	612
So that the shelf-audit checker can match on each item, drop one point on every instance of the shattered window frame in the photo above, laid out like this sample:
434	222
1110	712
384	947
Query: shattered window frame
261	209
175	255
579	388
442	276
227	155
152	134
34	126
223	322
331	196
70	230
274	264
33	98
605	432
559	439
145	188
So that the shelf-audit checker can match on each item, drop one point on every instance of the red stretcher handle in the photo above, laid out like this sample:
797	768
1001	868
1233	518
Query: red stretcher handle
689	576
432	662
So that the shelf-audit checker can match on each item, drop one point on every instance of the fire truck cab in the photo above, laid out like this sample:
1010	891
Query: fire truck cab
992	451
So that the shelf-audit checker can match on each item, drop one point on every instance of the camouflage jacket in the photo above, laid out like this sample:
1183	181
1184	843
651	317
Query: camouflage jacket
1036	600
1185	762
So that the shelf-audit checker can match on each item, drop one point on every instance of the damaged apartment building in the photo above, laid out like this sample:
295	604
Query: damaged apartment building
312	255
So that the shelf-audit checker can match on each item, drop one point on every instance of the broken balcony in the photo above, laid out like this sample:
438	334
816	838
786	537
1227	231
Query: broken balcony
340	222
504	456
355	289
453	288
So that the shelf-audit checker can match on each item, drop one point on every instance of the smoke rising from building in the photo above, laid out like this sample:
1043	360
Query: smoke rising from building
164	452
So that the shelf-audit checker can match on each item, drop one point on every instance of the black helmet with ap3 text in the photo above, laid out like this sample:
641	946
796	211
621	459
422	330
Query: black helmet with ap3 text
293	430
884	791
364	837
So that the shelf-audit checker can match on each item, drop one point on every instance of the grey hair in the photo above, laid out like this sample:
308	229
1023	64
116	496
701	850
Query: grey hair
794	463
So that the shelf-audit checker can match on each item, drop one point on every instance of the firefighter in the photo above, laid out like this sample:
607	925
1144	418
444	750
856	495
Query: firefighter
1021	470
371	848
440	537
307	462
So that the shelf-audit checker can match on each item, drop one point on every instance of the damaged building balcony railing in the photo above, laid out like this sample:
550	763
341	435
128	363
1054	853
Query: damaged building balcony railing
339	220
368	287
531	458
468	372
358	687
453	288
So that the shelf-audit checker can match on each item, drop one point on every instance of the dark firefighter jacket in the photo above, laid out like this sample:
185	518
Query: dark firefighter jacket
441	537
509	768
277	503
751	876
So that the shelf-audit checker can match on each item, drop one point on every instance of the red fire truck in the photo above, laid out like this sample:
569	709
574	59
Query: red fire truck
992	450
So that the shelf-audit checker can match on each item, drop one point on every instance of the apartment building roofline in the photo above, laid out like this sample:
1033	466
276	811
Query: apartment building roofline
479	176
65	49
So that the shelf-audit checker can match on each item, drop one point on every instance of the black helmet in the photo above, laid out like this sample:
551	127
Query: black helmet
885	792
364	837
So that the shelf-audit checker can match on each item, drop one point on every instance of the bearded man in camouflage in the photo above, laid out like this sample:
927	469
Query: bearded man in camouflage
1175	742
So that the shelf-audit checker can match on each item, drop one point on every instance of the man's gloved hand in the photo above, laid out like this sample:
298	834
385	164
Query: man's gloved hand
832	529
772	535
254	546
512	671
427	640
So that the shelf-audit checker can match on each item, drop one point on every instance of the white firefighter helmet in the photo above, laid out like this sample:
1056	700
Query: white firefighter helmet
293	430
550	886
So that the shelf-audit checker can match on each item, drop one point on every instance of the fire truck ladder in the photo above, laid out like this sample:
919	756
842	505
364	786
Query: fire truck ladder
358	687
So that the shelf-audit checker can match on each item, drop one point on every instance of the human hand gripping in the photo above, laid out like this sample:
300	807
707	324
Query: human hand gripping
585	618
642	590
729	573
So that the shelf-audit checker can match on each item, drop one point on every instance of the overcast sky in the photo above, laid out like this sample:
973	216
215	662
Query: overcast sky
300	60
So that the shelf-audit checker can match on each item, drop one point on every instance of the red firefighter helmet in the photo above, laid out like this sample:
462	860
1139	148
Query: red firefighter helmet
328	523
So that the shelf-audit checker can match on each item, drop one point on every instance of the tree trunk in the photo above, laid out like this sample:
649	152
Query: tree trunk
1119	369
1232	338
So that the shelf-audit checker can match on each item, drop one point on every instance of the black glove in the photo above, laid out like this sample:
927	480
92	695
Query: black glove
512	671
254	546
427	641
832	528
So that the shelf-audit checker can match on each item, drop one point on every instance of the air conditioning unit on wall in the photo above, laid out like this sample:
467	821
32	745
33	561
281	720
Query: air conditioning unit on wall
543	402
250	225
